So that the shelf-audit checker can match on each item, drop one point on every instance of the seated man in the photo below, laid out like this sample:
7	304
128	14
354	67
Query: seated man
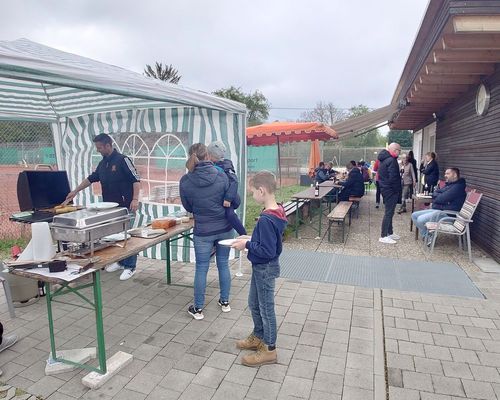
321	173
354	185
450	197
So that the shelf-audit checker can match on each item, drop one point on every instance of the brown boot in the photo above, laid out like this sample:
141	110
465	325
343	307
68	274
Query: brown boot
261	357
252	342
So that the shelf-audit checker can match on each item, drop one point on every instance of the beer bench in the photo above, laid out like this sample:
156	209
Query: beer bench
355	204
339	214
291	206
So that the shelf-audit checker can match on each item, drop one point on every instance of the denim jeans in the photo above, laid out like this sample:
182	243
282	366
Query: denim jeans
129	262
420	218
261	301
390	202
203	246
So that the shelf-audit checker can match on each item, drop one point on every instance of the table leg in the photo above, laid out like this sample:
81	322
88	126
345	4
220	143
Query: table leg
48	297
412	210
101	348
320	215
297	223
168	272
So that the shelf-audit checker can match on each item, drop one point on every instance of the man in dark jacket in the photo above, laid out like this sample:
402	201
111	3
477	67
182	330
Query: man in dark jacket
450	197
390	188
354	185
120	183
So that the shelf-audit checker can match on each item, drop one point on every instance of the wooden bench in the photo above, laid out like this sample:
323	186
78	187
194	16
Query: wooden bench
291	206
339	214
355	204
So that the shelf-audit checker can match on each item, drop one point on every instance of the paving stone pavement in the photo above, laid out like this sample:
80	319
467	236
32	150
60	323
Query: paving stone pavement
334	341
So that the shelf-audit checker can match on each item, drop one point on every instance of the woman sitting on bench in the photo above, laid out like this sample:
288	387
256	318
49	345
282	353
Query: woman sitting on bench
354	185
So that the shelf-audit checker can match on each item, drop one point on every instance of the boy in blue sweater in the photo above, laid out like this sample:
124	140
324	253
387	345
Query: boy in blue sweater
264	249
232	199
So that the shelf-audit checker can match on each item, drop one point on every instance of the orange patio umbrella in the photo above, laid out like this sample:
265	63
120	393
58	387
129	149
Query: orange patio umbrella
284	132
314	157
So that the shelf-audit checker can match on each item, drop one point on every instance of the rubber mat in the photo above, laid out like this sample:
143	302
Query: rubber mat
378	272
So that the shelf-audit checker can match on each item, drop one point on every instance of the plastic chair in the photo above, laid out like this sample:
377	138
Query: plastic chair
457	225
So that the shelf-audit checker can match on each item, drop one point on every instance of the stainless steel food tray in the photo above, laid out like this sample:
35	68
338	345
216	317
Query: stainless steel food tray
85	218
89	234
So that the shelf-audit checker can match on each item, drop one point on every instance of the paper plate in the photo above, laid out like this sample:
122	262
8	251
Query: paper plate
103	205
227	242
117	237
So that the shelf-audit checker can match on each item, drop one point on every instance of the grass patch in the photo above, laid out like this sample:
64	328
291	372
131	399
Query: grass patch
253	209
6	244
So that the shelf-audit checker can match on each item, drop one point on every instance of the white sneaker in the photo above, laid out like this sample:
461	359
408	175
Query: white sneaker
387	240
127	274
395	236
7	341
224	305
113	267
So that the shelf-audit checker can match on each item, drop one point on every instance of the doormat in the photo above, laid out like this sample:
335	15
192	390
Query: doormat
378	272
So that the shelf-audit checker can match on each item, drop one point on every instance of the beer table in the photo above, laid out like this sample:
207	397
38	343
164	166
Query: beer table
308	194
98	375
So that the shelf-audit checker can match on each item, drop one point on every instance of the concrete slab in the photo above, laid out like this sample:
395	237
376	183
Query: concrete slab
80	356
117	362
487	264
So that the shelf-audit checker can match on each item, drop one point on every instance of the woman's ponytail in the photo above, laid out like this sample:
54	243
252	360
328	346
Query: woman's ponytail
197	153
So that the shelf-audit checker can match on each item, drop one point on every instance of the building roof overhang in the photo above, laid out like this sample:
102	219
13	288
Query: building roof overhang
457	46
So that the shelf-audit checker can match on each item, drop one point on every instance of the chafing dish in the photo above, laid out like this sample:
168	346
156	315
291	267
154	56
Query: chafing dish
89	226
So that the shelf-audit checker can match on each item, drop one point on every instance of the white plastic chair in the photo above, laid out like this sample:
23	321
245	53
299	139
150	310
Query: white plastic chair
457	225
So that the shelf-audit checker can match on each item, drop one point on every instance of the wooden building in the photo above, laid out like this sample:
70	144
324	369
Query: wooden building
449	95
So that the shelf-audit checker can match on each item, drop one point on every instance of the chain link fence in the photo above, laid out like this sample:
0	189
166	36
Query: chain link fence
24	145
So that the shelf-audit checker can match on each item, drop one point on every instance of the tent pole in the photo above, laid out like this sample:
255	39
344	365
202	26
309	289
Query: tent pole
279	157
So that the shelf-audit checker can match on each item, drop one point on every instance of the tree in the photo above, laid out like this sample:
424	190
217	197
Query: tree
404	138
256	102
371	138
162	72
326	113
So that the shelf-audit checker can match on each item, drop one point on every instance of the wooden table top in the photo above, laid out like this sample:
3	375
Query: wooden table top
421	199
330	183
114	254
309	193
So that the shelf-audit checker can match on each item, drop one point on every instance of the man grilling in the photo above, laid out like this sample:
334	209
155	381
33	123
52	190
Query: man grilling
120	183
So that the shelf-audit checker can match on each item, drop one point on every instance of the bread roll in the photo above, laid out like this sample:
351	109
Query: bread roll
163	223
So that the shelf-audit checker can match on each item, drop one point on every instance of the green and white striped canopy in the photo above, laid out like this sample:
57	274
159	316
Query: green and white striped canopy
81	98
39	83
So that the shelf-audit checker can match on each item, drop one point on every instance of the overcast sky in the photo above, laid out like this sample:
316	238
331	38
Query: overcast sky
296	52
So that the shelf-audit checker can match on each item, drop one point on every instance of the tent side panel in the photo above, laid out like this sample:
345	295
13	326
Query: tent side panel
200	124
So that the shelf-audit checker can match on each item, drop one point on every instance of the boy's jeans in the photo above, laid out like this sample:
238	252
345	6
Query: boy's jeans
261	301
203	246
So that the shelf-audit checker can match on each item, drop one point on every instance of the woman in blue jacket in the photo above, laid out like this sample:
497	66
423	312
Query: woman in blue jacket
202	192
431	171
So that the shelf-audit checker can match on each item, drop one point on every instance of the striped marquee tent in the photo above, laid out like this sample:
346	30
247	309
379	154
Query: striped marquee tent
81	98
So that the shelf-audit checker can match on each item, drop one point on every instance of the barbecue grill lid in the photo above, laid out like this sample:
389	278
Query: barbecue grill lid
41	189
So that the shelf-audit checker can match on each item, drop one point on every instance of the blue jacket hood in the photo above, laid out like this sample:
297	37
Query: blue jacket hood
202	193
204	174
